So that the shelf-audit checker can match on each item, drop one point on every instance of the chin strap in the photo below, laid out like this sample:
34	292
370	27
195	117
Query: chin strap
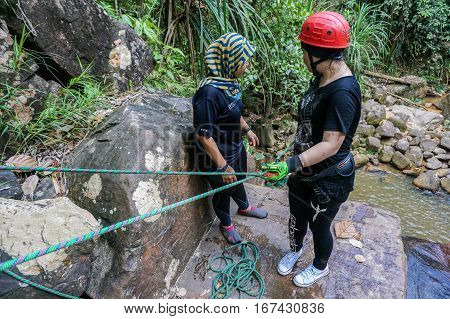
338	57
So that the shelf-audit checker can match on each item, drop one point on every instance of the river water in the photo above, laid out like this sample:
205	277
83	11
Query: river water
423	214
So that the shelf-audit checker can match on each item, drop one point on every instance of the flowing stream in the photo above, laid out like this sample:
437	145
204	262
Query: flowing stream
423	214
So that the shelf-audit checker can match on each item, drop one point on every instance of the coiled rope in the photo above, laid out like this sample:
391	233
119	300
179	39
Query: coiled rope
238	276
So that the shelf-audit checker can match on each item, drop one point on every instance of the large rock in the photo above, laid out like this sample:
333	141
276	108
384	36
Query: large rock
416	132
417	89
386	129
373	112
417	118
386	154
365	130
398	123
373	144
445	184
27	227
10	186
428	272
382	275
400	161
402	145
414	154
427	180
445	142
75	31
361	160
141	260
433	163
12	70
428	144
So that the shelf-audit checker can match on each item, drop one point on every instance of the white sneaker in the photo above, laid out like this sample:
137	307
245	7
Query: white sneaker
309	276
287	263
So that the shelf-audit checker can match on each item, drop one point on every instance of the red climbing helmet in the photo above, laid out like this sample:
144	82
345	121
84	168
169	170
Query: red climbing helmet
326	29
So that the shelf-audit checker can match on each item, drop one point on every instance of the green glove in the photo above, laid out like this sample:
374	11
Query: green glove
276	171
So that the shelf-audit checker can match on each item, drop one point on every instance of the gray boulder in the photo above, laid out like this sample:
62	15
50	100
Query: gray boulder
439	150
45	189
414	154
443	157
80	31
402	145
386	154
443	172
445	142
365	130
10	186
445	184
361	160
28	226
427	180
373	112
433	163
141	260
416	132
427	154
386	129
417	118
398	123
390	100
373	144
428	144
400	161
415	141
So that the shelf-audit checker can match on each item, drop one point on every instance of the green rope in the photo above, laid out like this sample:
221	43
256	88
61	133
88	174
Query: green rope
119	171
76	240
238	276
241	276
246	284
38	286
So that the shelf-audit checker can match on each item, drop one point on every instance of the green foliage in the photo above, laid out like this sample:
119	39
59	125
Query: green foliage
170	72
369	36
68	115
420	35
290	74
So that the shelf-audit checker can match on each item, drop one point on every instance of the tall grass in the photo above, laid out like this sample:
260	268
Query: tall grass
68	115
369	36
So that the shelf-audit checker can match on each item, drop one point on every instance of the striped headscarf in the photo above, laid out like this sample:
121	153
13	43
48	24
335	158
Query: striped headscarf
223	58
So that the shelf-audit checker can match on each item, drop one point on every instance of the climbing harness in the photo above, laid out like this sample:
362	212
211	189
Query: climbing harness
237	276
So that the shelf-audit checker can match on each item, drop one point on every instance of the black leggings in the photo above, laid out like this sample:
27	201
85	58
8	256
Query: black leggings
319	220
221	200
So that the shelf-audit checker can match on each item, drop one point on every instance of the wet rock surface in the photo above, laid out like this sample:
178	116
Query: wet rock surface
428	269
141	260
382	275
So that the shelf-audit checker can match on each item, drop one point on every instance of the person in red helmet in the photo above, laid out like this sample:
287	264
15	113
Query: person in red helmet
322	171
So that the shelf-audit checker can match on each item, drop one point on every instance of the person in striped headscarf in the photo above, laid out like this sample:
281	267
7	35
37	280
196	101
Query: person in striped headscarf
219	127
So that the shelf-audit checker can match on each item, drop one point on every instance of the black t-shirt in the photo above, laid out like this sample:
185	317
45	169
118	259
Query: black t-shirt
334	107
218	116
